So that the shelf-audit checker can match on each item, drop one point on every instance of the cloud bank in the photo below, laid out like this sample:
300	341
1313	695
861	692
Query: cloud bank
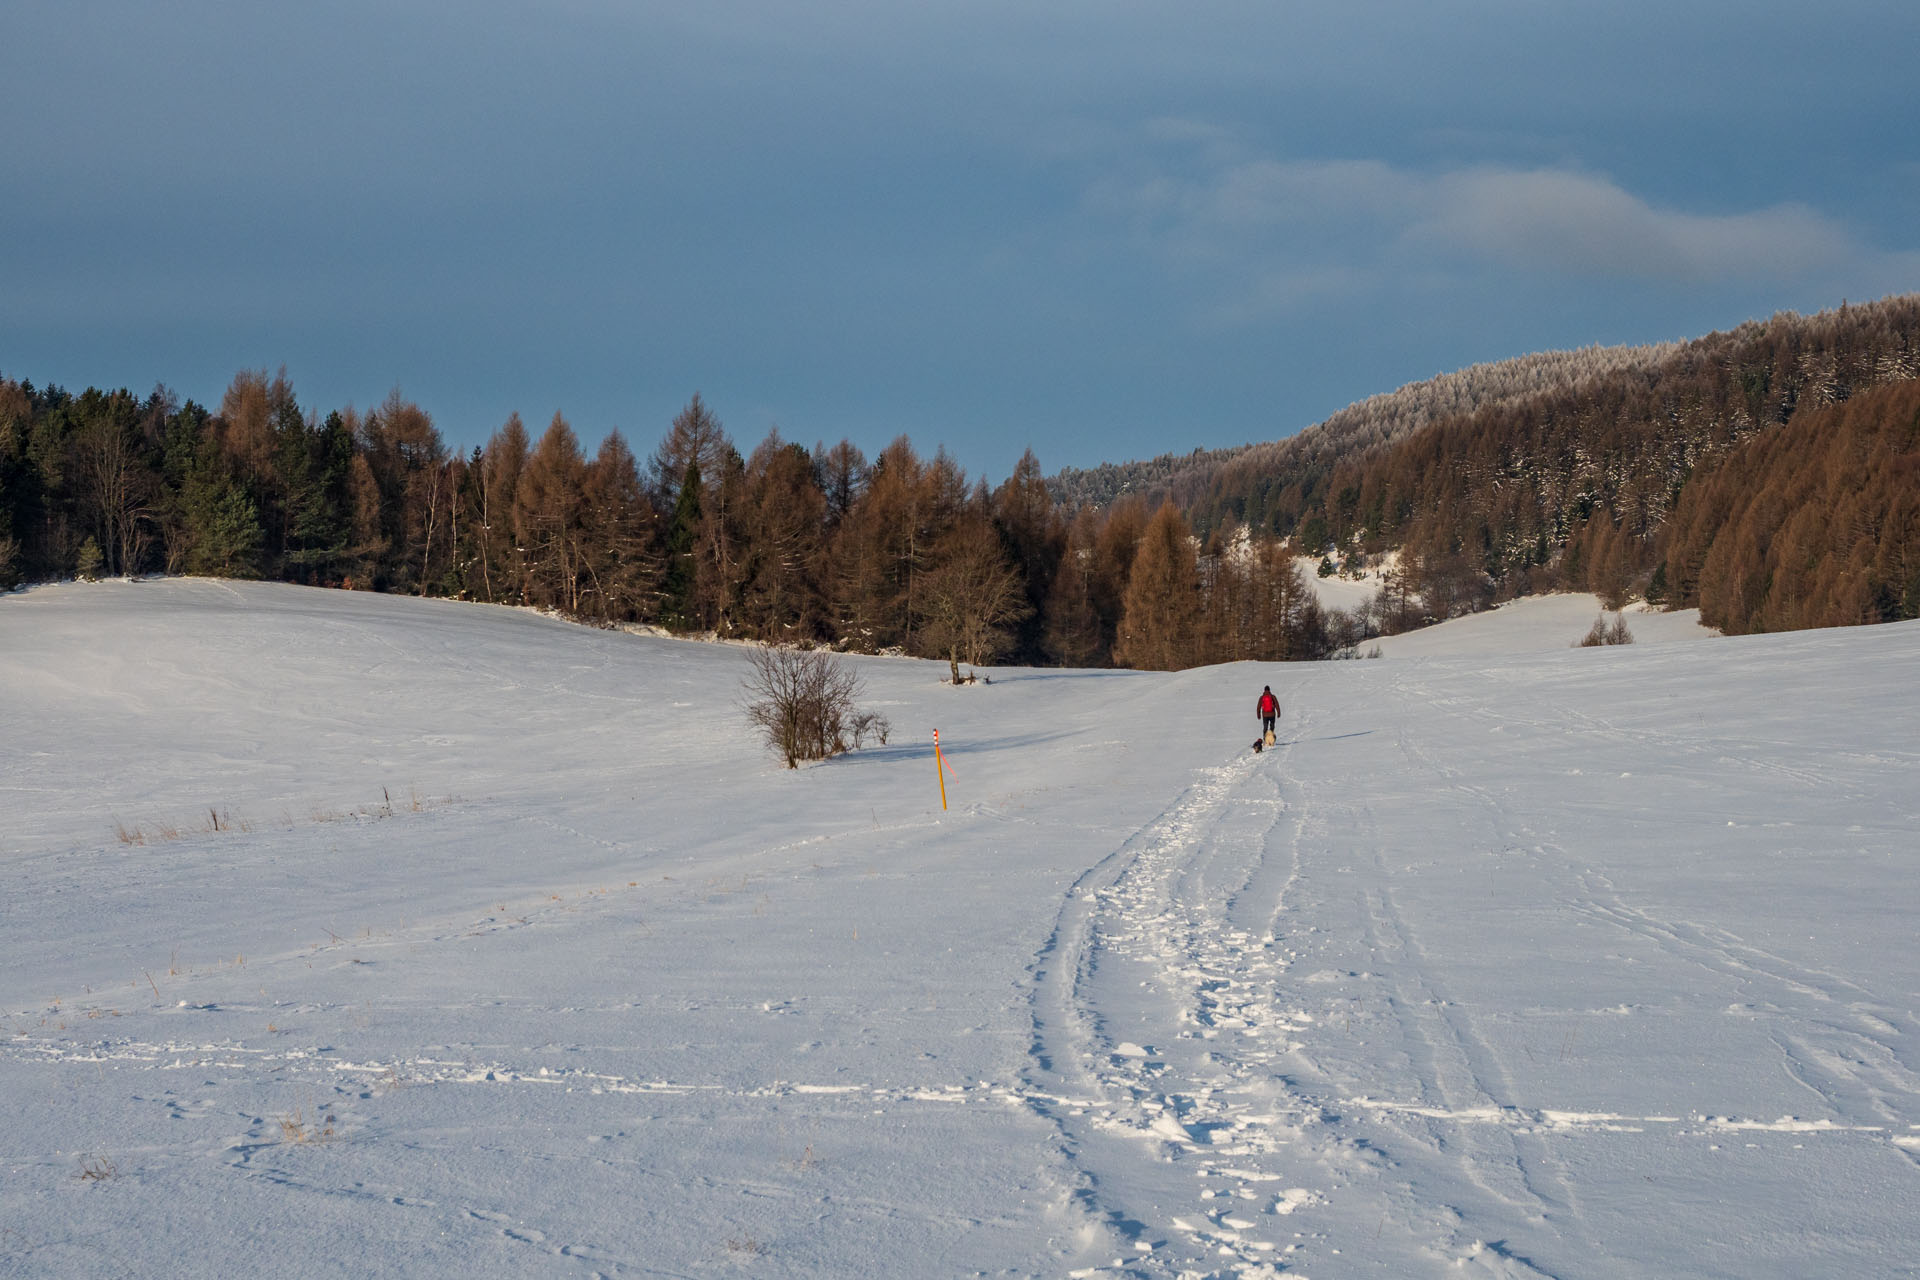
1298	230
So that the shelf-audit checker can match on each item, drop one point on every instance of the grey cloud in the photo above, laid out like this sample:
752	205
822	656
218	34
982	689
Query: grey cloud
1286	229
1554	220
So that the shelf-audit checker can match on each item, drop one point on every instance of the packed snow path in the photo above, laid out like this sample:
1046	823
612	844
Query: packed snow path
457	940
1494	1015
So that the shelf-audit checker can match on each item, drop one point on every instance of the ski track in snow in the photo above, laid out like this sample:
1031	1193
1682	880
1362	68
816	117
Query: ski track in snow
1196	910
1198	903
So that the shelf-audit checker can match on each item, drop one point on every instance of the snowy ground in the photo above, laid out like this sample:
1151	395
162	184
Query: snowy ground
512	955
1336	592
1537	624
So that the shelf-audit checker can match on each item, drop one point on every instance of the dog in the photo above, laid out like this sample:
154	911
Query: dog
1259	745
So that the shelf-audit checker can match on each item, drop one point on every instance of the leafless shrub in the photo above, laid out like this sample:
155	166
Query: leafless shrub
1604	632
802	701
868	724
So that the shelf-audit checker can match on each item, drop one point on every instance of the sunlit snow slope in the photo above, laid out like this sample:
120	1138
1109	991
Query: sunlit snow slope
513	953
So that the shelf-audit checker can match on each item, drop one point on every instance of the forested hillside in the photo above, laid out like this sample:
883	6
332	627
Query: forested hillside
1577	488
1229	485
1658	471
1816	524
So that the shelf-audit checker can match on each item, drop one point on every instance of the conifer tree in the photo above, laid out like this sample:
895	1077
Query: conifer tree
502	567
1035	536
721	549
1158	629
683	530
548	517
618	531
785	521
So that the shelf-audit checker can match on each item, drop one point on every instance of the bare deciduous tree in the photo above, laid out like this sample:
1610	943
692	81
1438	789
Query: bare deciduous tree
115	478
970	597
803	701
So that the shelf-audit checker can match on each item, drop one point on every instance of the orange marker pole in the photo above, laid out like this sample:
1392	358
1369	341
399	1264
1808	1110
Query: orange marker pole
940	767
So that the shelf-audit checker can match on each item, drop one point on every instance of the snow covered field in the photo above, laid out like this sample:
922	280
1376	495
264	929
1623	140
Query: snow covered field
511	954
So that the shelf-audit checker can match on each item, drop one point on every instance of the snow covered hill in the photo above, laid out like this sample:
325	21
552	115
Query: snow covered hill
1537	624
345	933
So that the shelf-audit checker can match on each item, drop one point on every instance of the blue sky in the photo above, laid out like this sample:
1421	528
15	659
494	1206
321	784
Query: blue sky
1106	230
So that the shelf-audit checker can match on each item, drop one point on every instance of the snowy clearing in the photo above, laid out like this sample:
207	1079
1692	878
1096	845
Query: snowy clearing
347	933
1336	592
1537	624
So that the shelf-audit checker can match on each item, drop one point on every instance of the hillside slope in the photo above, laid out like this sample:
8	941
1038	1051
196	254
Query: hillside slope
1189	479
512	953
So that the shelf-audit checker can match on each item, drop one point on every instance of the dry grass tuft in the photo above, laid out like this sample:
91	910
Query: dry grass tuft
96	1169
218	820
295	1128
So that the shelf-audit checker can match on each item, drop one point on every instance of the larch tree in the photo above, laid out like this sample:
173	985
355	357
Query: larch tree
1113	555
842	473
881	548
696	438
547	518
408	464
618	530
1158	622
502	569
785	517
721	548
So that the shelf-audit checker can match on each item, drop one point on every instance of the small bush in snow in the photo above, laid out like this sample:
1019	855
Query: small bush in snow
802	700
9	559
1604	632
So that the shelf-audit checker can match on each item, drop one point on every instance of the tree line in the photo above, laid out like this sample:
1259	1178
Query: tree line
1765	474
816	546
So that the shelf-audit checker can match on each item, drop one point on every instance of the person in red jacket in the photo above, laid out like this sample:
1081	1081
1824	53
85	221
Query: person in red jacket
1269	710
